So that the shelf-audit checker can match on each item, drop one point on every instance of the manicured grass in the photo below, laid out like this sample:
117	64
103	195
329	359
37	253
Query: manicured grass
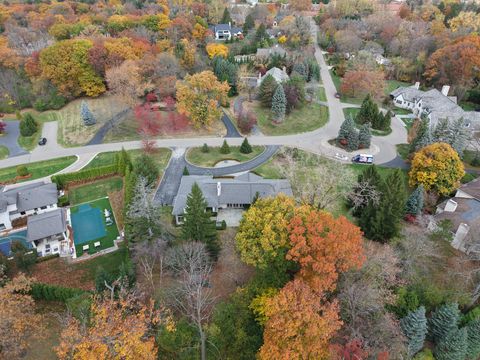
403	150
383	171
307	118
161	157
38	169
269	170
391	85
3	152
400	111
408	122
197	157
353	113
321	94
112	230
94	190
110	262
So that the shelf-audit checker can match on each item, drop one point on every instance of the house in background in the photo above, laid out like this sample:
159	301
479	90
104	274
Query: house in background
226	31
280	76
48	233
265	53
463	211
227	193
26	200
434	105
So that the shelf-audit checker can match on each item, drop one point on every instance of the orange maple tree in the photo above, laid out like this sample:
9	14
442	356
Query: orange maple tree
323	246
300	324
363	82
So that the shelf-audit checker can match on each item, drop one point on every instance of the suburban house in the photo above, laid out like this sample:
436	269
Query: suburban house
48	233
237	193
382	60
434	104
463	210
265	53
26	200
280	76
226	31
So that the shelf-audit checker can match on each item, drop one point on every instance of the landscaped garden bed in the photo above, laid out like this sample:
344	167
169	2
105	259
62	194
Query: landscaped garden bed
196	155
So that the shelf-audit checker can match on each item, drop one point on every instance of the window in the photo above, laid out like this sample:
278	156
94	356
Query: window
43	207
2	227
23	213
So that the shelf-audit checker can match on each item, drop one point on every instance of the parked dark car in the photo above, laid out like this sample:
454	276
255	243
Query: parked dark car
42	141
337	95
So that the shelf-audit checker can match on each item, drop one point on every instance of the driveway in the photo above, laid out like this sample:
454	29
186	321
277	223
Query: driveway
9	140
49	131
231	128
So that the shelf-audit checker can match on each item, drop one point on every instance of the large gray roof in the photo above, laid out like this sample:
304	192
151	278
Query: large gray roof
46	224
239	190
30	196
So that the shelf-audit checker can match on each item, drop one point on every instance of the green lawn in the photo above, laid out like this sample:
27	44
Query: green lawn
321	94
94	190
400	111
269	170
38	169
112	230
197	157
30	142
394	84
3	152
307	118
353	113
161	157
383	171
110	262
403	150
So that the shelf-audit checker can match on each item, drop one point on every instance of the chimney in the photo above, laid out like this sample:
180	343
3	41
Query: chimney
219	188
417	85
229	24
445	90
450	206
284	69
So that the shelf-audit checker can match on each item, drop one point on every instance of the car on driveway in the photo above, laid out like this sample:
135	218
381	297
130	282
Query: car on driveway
42	141
337	95
363	159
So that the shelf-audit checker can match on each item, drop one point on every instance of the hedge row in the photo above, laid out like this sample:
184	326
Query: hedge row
63	180
48	292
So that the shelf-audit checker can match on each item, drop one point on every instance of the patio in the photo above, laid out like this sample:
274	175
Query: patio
231	217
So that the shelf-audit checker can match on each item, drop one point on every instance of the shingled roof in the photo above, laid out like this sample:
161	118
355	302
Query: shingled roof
29	197
46	224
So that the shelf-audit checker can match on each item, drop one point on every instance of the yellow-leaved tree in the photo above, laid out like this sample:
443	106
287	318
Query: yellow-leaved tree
199	96
216	50
438	168
262	237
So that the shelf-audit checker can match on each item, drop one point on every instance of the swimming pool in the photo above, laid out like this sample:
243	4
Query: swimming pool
87	224
6	241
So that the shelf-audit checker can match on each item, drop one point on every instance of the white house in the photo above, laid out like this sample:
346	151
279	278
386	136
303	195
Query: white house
226	31
26	200
433	104
280	76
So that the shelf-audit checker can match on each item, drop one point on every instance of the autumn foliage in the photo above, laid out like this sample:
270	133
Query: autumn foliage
214	49
323	246
438	168
300	324
359	83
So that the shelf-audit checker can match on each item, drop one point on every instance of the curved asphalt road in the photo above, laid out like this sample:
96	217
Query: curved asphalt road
9	140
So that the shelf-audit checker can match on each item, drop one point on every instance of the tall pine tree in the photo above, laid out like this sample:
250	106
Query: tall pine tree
226	18
414	327
443	321
266	90
197	224
368	112
279	104
245	148
364	136
86	114
473	340
346	129
414	204
423	137
453	346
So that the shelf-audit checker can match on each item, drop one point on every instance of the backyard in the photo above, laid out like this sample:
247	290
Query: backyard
95	190
38	169
307	118
161	157
90	226
197	157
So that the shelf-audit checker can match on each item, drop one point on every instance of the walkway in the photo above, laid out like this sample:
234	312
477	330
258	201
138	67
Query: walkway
9	140
232	130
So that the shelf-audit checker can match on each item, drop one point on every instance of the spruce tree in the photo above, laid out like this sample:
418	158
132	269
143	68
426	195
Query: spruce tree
197	224
453	346
352	140
279	104
266	90
414	204
123	162
473	340
364	137
248	24
261	33
205	148
185	171
377	121
441	131
245	148
414	327
146	167
443	322
300	69
459	136
226	18
423	137
86	114
387	121
28	126
346	128
225	149
368	112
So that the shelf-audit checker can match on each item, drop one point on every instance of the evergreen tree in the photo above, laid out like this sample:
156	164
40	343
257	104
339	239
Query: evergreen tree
387	121
364	136
441	131
279	104
197	224
368	112
245	148
371	176
414	327
378	121
102	276
185	171
205	148
123	162
352	140
423	137
86	114
453	346
226	18
225	149
266	90
145	167
261	33
414	204
28	126
313	70
248	24
459	136
347	127
443	322
300	69
473	340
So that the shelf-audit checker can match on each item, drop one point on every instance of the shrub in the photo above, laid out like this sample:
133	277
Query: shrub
471	316
63	201
246	121
64	180
205	148
22	170
185	171
225	149
46	258
49	292
246	148
425	354
145	167
28	126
